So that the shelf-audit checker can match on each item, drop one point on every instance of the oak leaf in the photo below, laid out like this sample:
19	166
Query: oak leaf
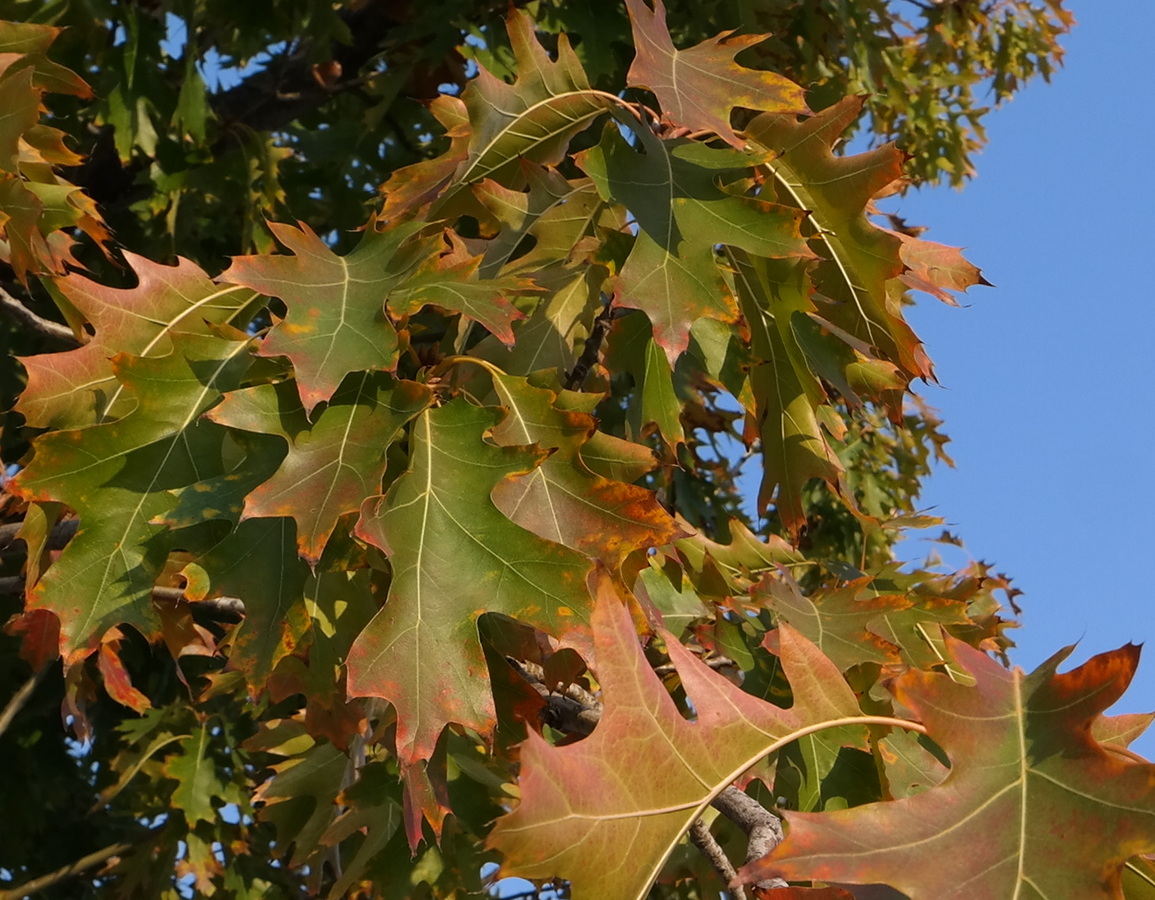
1042	808
608	830
700	87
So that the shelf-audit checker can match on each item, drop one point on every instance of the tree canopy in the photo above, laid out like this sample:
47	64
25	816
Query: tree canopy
390	382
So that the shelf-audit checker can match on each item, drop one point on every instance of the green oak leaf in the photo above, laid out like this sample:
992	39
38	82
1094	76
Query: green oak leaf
118	477
333	463
454	557
676	191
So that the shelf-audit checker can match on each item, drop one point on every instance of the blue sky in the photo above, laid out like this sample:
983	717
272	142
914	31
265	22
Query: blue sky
1047	379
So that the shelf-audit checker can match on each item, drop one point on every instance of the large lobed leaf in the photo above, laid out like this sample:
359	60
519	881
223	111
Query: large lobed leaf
455	557
608	827
1043	809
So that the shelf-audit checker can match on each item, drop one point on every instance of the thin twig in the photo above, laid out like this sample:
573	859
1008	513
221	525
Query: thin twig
82	864
225	607
54	331
701	838
591	352
21	697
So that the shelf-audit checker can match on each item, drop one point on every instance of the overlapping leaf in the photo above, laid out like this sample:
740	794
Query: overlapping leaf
858	257
455	556
335	322
608	830
562	500
1043	810
535	117
335	462
674	191
257	563
39	210
700	87
118	478
79	387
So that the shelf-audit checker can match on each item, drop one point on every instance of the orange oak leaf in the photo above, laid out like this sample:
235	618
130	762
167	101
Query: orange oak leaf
608	829
1041	808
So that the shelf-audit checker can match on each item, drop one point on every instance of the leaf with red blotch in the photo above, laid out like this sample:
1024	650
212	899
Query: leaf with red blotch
608	830
675	191
562	500
858	258
119	478
334	463
39	631
79	387
454	557
1041	808
335	322
700	87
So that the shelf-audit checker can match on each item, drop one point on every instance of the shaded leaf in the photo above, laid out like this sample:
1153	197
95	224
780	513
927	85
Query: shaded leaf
334	463
674	191
118	478
562	500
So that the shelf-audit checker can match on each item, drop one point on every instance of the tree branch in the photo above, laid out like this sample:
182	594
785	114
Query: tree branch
26	318
46	881
17	701
701	838
61	534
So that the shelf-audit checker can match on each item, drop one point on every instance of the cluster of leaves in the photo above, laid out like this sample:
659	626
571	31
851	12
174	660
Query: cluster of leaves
368	540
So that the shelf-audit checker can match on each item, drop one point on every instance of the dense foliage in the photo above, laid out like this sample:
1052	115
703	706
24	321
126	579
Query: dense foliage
387	375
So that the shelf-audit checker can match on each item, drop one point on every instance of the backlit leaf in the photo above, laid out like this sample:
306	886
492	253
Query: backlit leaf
608	832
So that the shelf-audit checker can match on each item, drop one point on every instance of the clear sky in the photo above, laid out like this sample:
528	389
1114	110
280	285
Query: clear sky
1047	380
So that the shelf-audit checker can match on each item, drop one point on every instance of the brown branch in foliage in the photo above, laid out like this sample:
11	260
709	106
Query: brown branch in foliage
81	865
27	319
224	609
701	838
16	703
60	535
592	350
762	827
576	711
